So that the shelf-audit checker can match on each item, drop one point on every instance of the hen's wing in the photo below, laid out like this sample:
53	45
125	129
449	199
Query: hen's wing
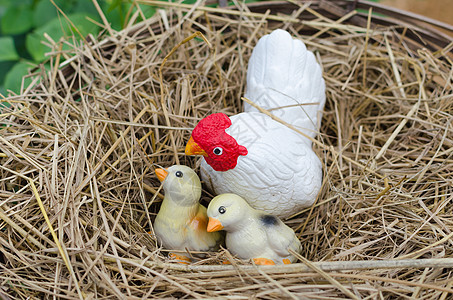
283	74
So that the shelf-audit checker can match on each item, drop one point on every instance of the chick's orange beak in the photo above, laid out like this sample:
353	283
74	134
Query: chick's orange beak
214	225
161	174
192	148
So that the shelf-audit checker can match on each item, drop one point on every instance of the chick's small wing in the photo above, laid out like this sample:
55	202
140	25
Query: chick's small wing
281	238
198	235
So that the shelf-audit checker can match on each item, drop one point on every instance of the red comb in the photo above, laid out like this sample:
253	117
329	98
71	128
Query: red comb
215	121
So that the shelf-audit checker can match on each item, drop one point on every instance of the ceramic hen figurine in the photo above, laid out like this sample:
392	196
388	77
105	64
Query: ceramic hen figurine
270	165
252	234
182	221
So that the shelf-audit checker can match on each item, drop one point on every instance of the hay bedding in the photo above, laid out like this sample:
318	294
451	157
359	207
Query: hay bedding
79	146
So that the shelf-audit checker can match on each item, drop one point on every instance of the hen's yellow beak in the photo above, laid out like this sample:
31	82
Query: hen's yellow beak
214	225
161	174
192	148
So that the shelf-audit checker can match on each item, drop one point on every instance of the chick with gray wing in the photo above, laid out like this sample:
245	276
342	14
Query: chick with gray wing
250	233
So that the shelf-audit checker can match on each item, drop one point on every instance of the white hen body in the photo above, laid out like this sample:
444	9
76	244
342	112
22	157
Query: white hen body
280	174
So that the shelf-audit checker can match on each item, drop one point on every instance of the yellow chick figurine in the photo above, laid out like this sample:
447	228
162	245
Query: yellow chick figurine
250	233
182	221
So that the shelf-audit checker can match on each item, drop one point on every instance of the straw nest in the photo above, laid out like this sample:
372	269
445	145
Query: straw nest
79	145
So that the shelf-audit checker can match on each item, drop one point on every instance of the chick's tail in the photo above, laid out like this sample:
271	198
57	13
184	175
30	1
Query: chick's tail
284	78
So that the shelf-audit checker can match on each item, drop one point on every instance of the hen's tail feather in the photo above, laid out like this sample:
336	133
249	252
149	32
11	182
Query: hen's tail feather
283	74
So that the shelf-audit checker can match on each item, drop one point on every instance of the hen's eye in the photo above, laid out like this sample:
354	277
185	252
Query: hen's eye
178	174
222	209
217	151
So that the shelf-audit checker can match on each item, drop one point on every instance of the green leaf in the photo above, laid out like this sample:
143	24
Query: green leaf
85	6
148	10
13	79
115	11
7	49
56	29
114	4
17	19
34	46
189	1
83	24
115	19
5	66
33	40
43	13
15	2
2	11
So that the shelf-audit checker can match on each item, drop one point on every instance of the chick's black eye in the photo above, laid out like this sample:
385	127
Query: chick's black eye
222	209
178	174
217	151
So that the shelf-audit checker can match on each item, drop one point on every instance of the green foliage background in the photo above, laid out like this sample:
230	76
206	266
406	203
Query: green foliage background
24	22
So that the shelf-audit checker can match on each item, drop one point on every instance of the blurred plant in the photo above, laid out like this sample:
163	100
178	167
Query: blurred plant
23	25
